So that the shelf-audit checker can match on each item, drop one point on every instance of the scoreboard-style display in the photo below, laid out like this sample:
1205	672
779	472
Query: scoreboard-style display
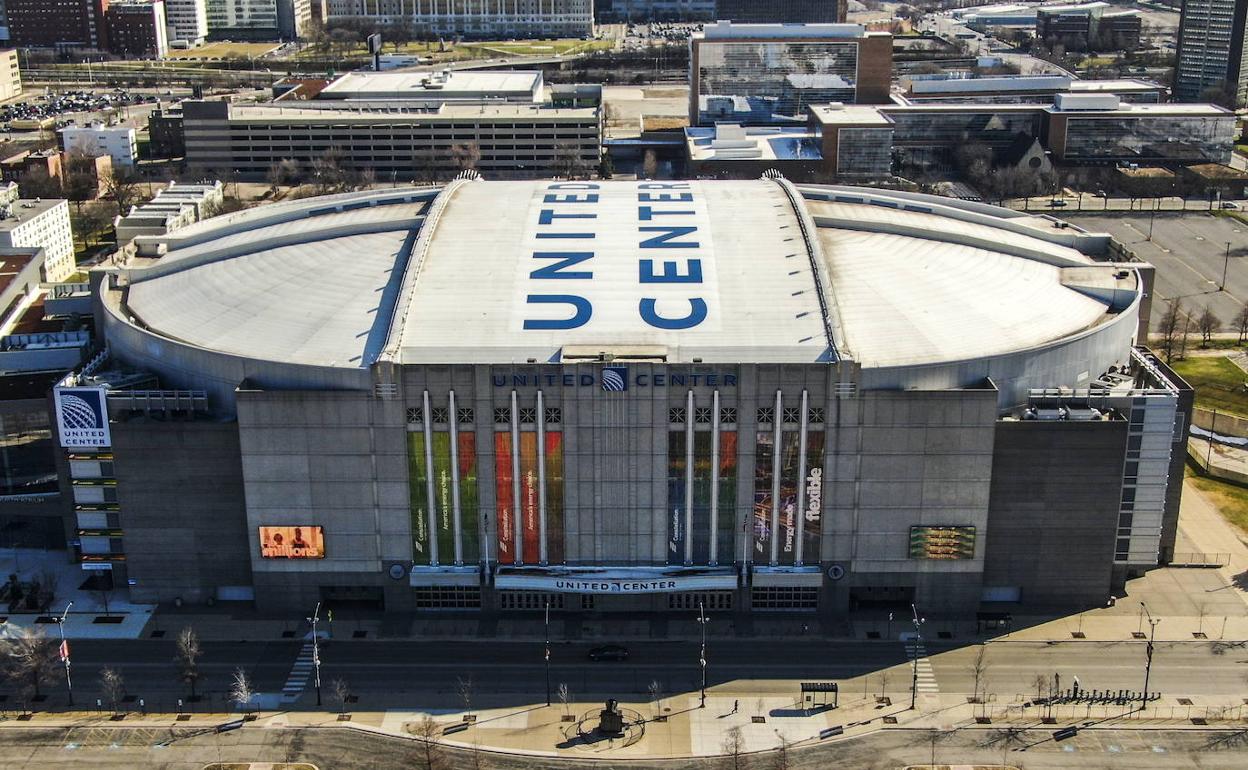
942	543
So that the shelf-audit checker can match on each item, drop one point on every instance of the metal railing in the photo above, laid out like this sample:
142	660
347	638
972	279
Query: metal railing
1197	559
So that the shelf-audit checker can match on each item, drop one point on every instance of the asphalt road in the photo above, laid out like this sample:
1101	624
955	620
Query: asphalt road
398	673
1189	252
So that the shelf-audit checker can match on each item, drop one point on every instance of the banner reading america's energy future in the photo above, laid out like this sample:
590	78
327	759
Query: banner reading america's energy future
529	504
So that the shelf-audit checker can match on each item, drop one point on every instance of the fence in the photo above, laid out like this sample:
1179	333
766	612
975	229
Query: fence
1066	713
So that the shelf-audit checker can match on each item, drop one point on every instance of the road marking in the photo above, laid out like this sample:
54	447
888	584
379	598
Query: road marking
924	675
300	673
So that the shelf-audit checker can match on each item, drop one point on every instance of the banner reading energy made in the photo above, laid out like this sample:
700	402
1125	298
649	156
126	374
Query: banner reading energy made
764	472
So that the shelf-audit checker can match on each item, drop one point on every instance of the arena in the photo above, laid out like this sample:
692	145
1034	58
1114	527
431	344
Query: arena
623	397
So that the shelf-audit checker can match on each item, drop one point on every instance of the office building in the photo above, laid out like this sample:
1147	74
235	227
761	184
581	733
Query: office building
10	75
63	24
1086	129
1089	26
956	88
258	19
476	19
814	399
771	73
118	142
187	22
41	224
137	29
778	12
1209	58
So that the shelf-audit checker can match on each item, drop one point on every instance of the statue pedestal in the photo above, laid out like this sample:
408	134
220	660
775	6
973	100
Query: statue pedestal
611	720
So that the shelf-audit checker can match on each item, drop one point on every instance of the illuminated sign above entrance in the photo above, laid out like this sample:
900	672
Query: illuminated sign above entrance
617	379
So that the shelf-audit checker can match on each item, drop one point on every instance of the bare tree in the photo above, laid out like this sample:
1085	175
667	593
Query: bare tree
1042	683
30	660
1240	323
113	688
1208	323
430	734
36	183
329	175
650	165
464	687
734	746
122	187
979	668
49	580
187	659
241	692
564	696
568	161
1171	323
341	693
465	157
782	752
282	173
935	738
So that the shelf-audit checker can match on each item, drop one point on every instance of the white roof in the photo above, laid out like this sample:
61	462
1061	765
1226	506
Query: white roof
503	272
432	85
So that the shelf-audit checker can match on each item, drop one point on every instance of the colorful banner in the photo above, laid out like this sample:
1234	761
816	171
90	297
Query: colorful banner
790	449
554	498
676	497
764	472
417	478
469	516
505	510
701	527
942	543
812	513
727	533
442	480
530	510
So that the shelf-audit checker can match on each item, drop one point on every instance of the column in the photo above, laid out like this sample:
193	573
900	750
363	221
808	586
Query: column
714	556
800	514
689	477
541	478
517	518
429	490
777	423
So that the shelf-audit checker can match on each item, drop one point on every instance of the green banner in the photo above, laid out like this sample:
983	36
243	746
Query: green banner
442	481
417	478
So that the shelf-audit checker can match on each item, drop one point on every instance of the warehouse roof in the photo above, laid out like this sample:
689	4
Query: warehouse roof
689	271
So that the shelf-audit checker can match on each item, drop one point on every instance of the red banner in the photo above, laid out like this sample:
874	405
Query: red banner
529	507
506	506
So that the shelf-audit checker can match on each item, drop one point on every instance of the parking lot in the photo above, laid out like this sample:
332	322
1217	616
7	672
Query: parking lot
1189	252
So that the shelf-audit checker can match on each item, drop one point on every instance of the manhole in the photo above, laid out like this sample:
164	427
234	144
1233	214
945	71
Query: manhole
1078	635
873	634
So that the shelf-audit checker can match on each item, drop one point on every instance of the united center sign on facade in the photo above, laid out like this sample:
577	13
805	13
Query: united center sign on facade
82	417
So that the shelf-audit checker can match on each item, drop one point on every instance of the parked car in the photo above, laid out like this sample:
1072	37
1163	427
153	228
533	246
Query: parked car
609	652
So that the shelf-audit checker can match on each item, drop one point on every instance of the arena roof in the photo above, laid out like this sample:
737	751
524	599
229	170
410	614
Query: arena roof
689	271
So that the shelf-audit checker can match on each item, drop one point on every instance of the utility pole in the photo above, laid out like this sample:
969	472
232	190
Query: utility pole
1148	654
316	650
918	638
548	652
1226	261
69	685
702	621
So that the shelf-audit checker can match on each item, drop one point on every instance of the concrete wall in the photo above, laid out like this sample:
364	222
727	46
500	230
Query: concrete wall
1054	510
180	491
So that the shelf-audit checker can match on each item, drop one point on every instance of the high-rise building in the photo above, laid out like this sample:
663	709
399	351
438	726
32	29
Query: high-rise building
1210	54
187	21
136	28
474	18
770	73
776	11
10	75
57	23
258	19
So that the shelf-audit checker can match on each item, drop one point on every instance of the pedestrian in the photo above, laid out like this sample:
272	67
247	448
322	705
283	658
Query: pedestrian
736	704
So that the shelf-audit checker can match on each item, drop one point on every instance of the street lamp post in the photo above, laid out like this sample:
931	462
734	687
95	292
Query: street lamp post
918	638
1226	261
69	685
1148	654
702	621
316	650
548	652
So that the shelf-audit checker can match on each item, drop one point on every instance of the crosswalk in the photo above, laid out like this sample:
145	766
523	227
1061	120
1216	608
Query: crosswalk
300	673
926	676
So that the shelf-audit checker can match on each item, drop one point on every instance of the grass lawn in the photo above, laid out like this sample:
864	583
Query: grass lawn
222	50
1230	499
1219	383
477	50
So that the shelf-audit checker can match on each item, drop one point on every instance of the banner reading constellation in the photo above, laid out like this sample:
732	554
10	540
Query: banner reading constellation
764	470
676	497
470	524
554	498
417	479
505	510
727	496
812	526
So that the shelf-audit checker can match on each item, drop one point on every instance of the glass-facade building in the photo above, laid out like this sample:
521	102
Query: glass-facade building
779	79
1151	138
864	152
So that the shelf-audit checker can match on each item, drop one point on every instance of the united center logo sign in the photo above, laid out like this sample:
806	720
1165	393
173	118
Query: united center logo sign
615	379
82	417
